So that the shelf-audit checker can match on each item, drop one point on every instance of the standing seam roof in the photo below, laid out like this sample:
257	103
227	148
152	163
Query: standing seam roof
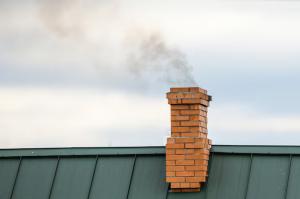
235	172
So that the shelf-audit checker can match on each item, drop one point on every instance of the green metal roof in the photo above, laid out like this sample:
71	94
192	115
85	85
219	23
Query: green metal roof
235	172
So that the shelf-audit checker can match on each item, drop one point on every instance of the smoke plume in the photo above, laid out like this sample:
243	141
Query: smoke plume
147	54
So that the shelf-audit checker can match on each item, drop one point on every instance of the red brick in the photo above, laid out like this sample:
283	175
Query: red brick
170	173
189	112
201	96
175	168
198	118
199	162
190	123
175	112
194	185
180	89
201	141
185	173
170	151
180	129
200	173
171	141
194	145
174	101
193	134
184	140
195	168
195	179
175	95
191	101
198	106
196	157
175	157
197	89
175	146
195	107
175	185
179	168
175	123
179	107
184	185
170	162
189	151
173	134
188	95
175	179
179	117
180	151
196	129
201	151
185	162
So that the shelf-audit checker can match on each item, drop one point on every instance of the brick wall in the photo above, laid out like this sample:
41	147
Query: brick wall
187	150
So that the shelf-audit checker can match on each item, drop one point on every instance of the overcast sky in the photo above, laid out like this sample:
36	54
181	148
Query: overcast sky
95	73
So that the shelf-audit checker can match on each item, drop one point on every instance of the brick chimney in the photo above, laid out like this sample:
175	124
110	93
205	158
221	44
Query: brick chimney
187	150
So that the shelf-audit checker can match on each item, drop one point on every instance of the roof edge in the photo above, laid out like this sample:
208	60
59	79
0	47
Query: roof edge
150	150
82	151
257	149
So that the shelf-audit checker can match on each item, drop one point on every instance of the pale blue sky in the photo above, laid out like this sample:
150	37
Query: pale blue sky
65	78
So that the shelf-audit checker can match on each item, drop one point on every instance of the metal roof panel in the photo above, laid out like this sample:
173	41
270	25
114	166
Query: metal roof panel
234	172
34	174
228	176
268	177
112	177
73	178
148	180
8	174
293	190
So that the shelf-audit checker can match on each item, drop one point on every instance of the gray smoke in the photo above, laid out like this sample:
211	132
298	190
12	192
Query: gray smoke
147	54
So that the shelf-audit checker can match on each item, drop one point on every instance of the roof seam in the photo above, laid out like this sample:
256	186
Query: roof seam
131	176
93	176
53	180
249	176
288	178
16	177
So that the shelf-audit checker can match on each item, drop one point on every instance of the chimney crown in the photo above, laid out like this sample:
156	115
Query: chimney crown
189	95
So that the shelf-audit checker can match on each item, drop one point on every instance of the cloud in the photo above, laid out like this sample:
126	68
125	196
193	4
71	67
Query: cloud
57	117
80	36
47	117
90	39
57	59
241	124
